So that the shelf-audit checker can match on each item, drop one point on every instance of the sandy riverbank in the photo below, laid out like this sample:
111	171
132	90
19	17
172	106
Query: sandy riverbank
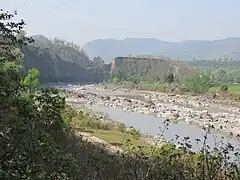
103	117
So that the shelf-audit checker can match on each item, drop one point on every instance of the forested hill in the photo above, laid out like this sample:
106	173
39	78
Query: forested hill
61	61
185	50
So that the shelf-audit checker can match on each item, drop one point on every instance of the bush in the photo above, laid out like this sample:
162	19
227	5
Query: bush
116	79
103	125
224	88
199	83
121	127
135	133
169	78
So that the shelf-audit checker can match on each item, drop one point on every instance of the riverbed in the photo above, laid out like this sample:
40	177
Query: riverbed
142	115
155	126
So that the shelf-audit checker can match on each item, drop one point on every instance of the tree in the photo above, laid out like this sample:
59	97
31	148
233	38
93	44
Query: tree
116	79
234	76
169	78
224	88
135	81
31	126
31	81
199	83
130	78
220	76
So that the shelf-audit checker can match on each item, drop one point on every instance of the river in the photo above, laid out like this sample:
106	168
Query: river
152	125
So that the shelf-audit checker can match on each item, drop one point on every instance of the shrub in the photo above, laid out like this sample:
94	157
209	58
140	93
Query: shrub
135	133
116	79
169	78
121	127
199	83
224	88
102	125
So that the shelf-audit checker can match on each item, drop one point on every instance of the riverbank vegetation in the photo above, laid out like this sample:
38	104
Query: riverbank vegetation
211	82
112	132
37	139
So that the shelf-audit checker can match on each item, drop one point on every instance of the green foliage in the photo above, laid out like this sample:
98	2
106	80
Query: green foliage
135	133
58	60
116	79
135	81
234	76
32	130
199	83
31	81
169	78
121	127
223	71
224	87
82	121
130	78
220	76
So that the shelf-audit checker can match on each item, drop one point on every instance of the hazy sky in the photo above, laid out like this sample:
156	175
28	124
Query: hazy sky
170	20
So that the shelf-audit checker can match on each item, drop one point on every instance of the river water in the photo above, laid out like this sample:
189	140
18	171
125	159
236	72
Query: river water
153	125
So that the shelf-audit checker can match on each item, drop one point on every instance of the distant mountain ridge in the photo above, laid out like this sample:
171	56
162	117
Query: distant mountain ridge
185	50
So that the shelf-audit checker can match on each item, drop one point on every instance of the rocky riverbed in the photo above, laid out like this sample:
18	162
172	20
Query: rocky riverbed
201	111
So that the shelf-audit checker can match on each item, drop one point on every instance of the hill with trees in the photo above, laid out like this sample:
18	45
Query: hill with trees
224	70
214	64
58	60
185	50
62	61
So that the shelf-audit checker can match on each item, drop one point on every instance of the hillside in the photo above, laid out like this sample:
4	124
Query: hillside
185	50
62	61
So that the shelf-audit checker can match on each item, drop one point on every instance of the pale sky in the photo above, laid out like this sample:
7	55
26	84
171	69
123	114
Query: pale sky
170	20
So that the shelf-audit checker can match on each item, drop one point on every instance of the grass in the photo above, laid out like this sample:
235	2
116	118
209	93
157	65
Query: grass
109	132
115	137
234	89
153	84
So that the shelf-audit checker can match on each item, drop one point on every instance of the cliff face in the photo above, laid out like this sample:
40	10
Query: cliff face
54	69
148	68
58	61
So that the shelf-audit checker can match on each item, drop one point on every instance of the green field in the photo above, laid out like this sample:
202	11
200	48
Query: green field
235	89
109	132
115	137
